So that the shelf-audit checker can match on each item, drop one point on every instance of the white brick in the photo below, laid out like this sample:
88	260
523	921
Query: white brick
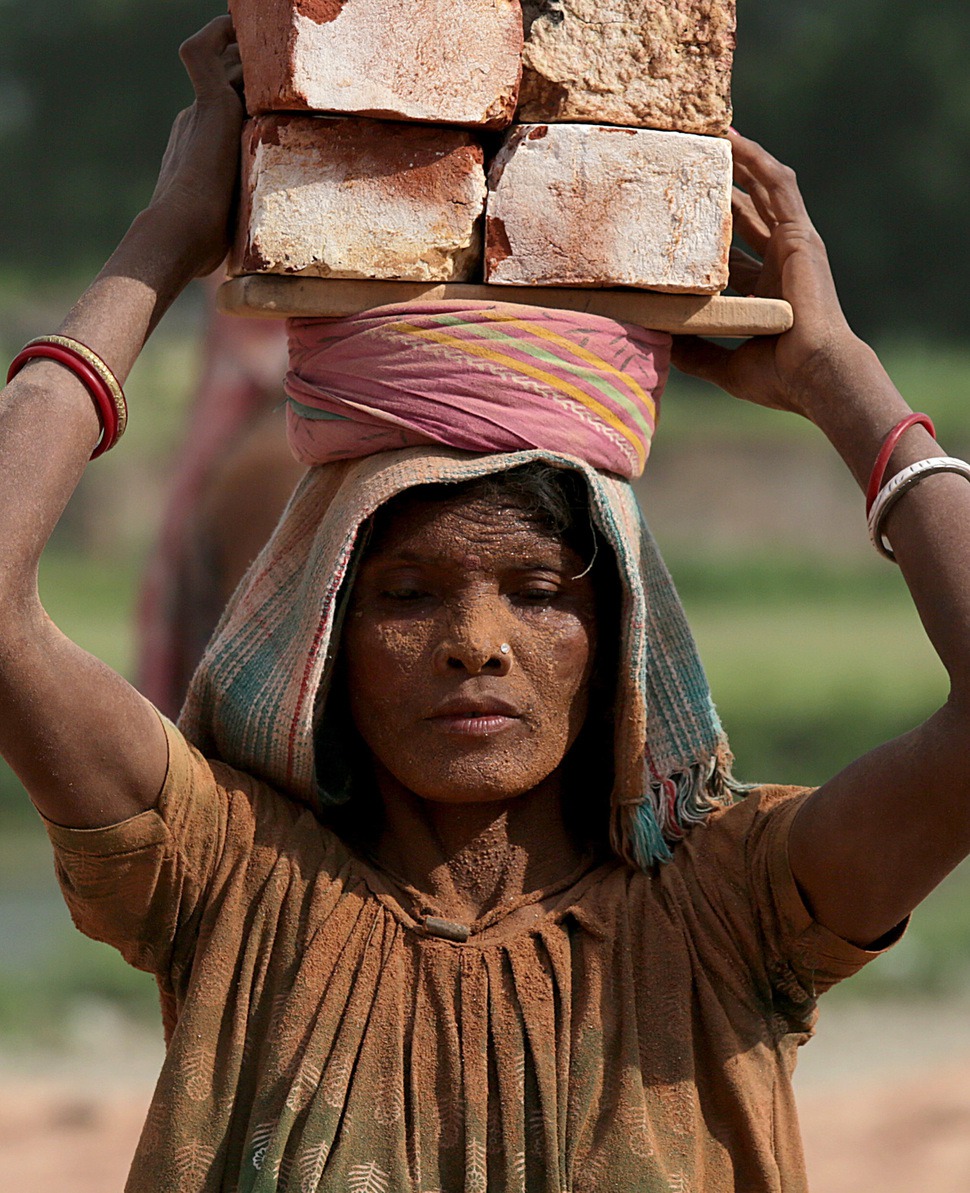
351	198
591	205
445	61
651	63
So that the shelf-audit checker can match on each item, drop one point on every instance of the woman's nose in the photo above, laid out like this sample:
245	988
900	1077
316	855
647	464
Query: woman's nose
474	643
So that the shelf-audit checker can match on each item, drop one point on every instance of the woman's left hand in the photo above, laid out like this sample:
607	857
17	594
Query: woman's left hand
790	371
870	843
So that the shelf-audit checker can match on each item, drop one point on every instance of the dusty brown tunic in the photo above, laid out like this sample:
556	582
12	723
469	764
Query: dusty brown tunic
640	1035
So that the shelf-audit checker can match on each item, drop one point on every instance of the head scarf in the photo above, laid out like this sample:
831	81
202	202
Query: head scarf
479	376
254	698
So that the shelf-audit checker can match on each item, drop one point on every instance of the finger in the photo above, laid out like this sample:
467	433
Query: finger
772	185
202	56
744	272
748	224
761	204
700	358
230	56
232	64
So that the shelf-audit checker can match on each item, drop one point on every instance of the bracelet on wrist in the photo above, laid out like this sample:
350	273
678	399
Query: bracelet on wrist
901	483
889	444
92	372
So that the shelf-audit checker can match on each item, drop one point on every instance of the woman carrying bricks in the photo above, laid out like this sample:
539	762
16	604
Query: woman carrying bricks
444	878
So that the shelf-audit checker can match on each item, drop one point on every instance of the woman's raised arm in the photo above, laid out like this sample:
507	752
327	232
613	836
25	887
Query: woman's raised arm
88	748
876	839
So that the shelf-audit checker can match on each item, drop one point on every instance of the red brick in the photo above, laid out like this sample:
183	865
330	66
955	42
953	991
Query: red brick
443	61
648	63
593	205
355	198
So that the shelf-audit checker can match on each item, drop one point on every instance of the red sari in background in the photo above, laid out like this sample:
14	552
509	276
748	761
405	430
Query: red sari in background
230	480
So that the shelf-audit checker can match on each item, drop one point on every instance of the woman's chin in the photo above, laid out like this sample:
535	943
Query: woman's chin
467	796
459	785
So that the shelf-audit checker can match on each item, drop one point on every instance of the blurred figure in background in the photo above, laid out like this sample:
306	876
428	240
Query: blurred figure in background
231	480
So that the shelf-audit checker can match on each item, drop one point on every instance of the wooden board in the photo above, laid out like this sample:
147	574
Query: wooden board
274	295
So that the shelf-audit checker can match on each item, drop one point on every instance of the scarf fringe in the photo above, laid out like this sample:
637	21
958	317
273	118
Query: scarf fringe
644	830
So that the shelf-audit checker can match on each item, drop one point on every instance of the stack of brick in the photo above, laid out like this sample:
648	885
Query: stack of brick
365	155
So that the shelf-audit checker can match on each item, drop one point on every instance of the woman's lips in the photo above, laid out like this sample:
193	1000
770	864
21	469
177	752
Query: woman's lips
474	724
473	718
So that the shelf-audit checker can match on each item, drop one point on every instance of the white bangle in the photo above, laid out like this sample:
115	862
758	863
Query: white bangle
891	492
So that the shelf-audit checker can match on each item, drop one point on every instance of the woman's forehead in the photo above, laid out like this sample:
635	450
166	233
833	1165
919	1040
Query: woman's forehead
417	524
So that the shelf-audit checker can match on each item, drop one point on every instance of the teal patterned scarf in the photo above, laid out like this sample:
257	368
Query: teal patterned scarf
254	698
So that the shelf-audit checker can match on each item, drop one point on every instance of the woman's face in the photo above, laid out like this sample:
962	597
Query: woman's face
468	649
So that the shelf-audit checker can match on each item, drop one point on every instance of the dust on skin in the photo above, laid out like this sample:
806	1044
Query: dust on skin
468	740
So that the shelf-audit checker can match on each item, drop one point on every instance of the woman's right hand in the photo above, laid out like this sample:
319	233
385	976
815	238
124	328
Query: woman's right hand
195	196
89	749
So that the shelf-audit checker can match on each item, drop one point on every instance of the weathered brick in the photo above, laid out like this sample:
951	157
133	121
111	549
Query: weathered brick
662	64
343	197
439	60
594	205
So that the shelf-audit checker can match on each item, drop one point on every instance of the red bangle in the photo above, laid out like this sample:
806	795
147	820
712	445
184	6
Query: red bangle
83	354
104	404
887	449
93	361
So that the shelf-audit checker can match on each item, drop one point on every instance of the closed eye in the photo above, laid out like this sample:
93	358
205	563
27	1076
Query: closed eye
536	595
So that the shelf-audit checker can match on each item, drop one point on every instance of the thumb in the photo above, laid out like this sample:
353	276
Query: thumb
700	358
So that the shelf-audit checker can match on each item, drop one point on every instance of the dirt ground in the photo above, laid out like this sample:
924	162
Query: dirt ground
884	1096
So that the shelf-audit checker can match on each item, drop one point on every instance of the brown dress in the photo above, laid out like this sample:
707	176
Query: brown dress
640	1035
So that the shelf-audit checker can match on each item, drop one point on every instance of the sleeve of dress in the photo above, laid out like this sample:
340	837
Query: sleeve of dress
142	885
741	863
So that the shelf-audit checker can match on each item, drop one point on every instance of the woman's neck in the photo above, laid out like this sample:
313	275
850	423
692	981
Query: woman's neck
469	859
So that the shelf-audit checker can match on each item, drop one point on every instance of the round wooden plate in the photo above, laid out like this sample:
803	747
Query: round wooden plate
274	295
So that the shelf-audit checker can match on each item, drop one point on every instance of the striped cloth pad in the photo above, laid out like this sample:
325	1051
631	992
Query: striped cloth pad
253	700
480	376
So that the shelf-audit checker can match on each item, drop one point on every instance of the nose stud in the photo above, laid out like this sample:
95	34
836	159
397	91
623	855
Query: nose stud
472	657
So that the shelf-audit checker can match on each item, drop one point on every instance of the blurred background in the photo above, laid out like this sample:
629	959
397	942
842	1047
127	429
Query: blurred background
813	651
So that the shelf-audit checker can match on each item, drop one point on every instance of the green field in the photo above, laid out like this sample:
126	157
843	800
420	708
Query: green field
809	671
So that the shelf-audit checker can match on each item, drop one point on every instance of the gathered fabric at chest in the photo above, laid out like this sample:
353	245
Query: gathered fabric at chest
373	1056
632	1030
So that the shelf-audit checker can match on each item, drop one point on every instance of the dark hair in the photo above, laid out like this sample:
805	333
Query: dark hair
556	500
